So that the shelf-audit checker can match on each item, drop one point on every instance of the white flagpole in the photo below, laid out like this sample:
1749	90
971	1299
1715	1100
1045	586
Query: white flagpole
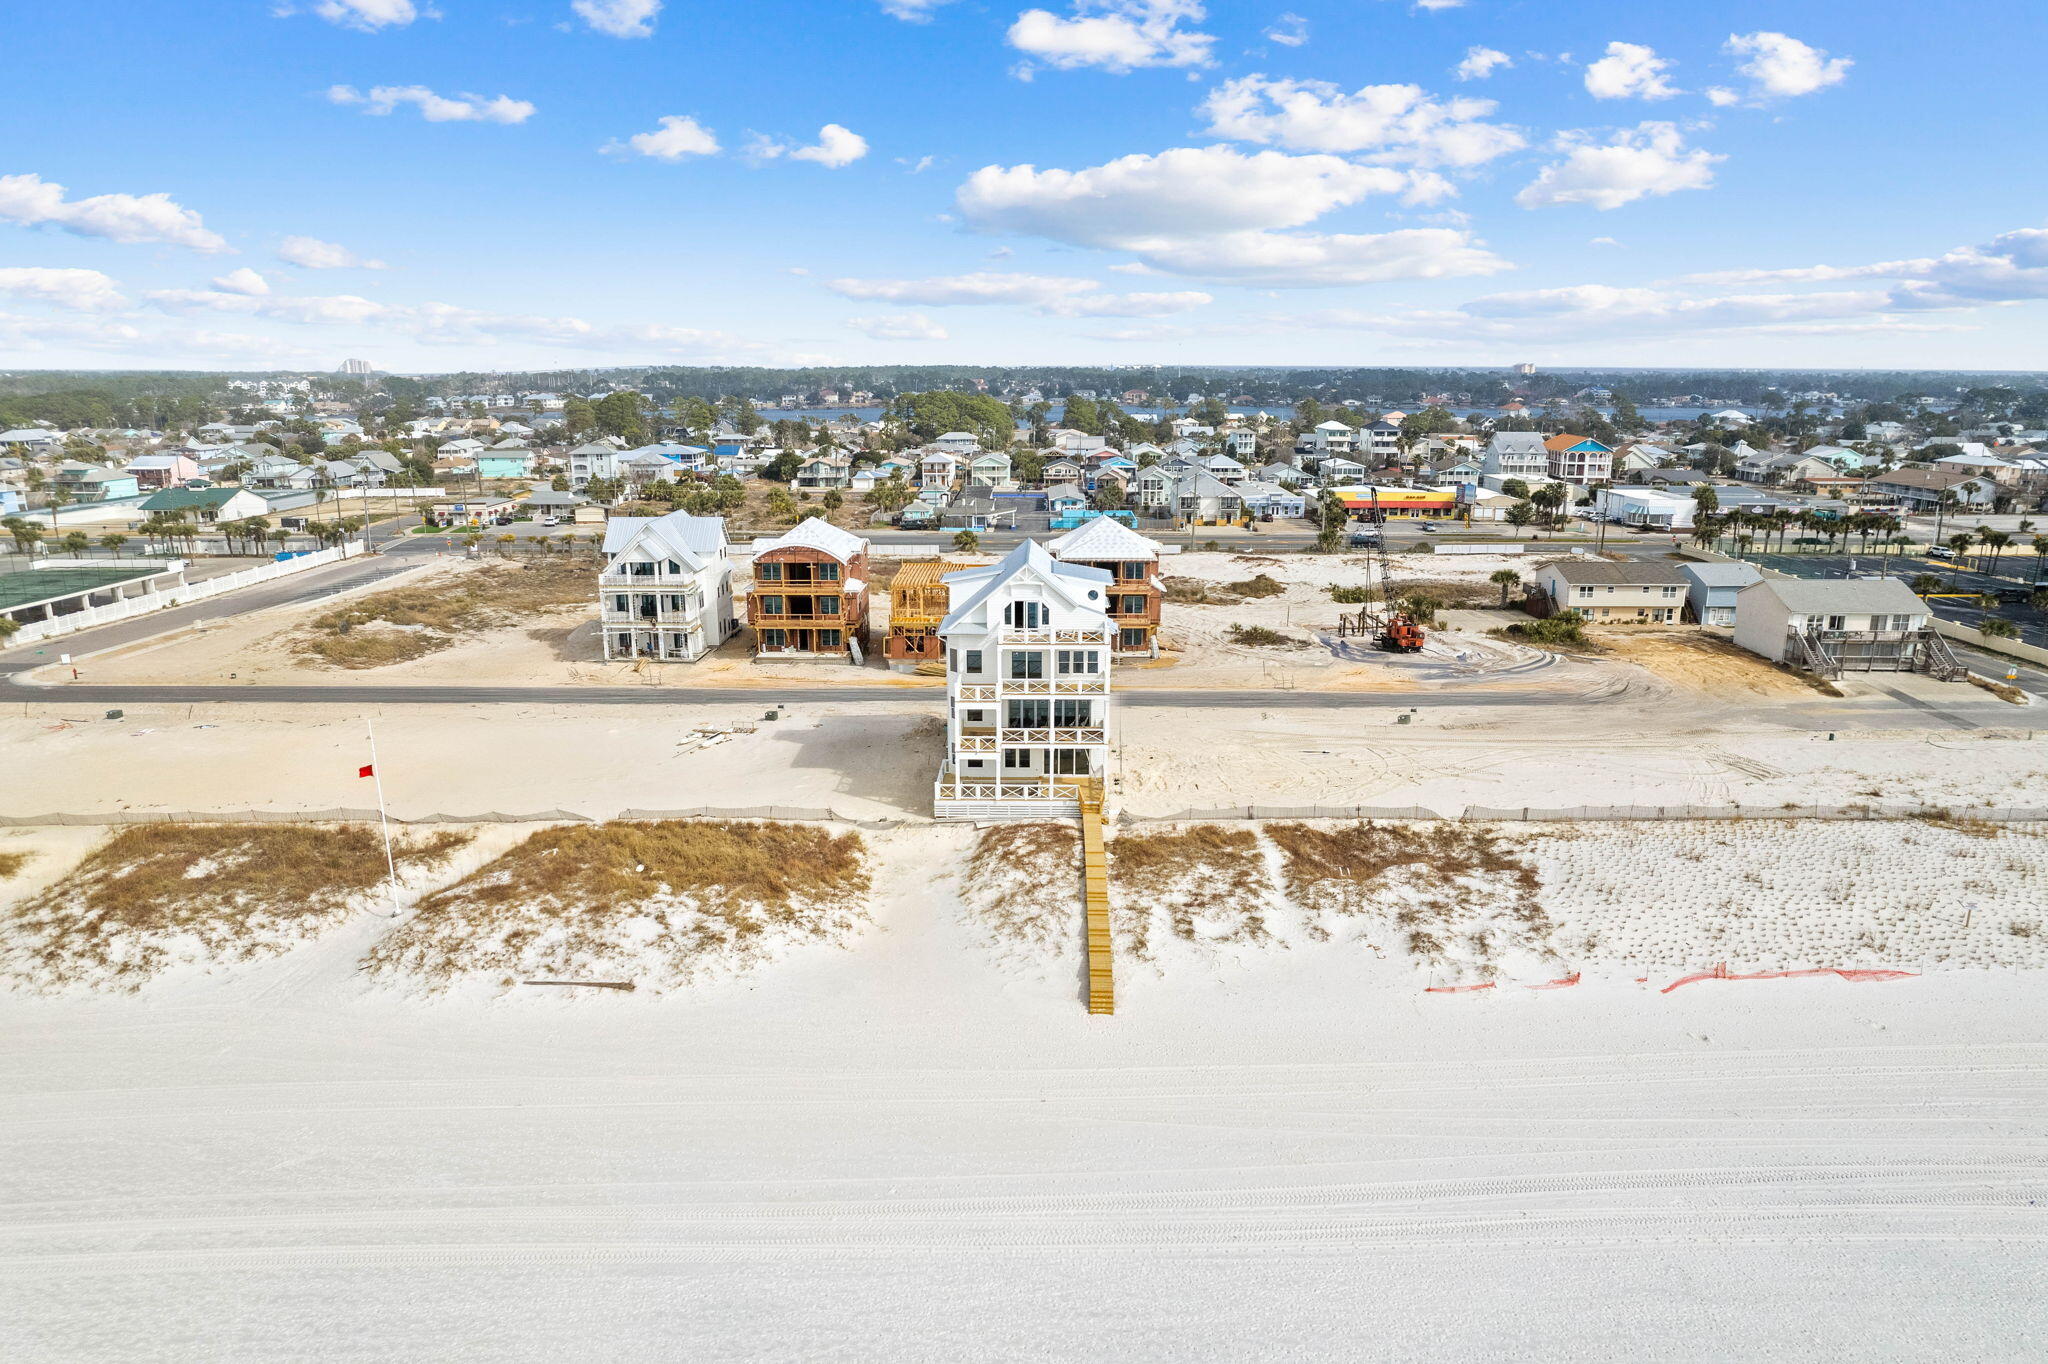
384	820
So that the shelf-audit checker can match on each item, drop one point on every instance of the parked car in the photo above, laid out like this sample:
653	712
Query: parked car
551	520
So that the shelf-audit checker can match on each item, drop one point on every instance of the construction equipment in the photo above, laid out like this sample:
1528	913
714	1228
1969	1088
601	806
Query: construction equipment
1377	619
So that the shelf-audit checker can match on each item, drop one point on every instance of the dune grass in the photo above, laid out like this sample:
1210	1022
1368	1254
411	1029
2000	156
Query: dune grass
1446	889
666	901
155	893
1208	883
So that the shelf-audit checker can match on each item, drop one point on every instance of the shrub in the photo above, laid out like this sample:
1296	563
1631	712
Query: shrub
1259	637
1566	627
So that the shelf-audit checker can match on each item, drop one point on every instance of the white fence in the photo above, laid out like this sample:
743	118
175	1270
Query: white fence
1454	547
179	596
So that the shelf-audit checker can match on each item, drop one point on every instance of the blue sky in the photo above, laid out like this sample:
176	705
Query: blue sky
526	183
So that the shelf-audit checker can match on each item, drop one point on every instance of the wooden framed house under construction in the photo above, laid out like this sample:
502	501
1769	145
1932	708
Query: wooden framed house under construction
918	602
810	594
1136	594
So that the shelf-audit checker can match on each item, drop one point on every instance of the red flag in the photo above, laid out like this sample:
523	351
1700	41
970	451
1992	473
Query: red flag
365	770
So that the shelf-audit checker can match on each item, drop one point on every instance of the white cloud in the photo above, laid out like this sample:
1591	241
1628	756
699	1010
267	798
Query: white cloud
1392	122
1482	62
1289	30
1629	71
367	15
1781	67
1314	260
1166	210
1603	241
1116	35
1185	191
310	253
981	287
619	18
464	108
1052	295
899	327
33	201
836	146
916	11
450	324
678	136
83	290
242	281
1650	159
1128	305
2010	268
1432	6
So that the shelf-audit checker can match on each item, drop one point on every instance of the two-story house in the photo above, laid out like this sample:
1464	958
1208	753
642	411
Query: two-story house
1633	591
810	594
665	590
1029	646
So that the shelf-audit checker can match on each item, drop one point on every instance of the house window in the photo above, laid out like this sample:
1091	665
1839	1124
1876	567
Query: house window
623	644
643	570
1072	714
621	602
1132	606
1131	639
673	601
768	606
1902	622
1016	757
1670	591
1025	615
828	573
1838	622
1027	714
1076	661
678	643
768	573
1070	762
774	639
828	606
1027	665
976	716
1585	592
828	639
974	660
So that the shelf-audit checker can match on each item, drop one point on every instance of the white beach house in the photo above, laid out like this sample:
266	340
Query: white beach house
666	588
1028	648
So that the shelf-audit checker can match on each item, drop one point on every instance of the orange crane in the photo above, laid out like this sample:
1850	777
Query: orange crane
1390	629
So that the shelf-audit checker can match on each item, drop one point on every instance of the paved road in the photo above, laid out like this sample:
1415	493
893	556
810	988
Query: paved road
294	590
381	695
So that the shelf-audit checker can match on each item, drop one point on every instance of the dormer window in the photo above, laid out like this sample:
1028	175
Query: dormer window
1024	615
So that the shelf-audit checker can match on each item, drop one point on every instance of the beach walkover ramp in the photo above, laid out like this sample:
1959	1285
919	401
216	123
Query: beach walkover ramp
1095	879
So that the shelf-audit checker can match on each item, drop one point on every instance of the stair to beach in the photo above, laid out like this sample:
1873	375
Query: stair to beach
1095	877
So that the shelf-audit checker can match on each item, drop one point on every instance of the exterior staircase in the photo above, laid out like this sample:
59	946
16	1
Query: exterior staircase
1095	877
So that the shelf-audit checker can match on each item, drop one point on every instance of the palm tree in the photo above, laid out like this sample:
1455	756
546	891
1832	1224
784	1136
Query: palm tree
1926	584
967	542
1506	578
2039	544
1995	541
505	543
1960	544
76	542
1943	500
112	544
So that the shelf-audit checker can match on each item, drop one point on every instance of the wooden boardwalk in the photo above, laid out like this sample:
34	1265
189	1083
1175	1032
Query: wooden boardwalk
1095	877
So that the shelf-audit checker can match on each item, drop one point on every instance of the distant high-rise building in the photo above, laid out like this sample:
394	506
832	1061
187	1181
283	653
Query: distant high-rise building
1525	369
358	368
